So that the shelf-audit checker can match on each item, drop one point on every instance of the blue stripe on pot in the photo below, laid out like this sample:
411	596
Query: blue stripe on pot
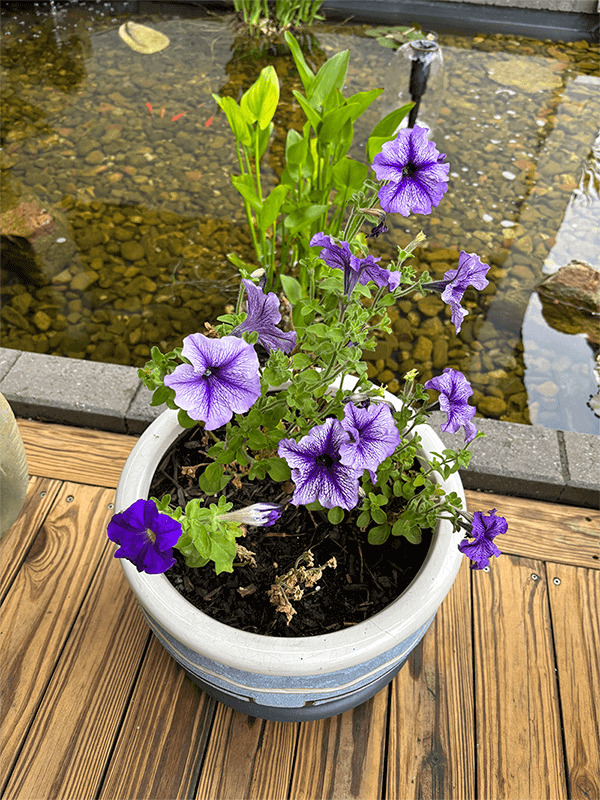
287	691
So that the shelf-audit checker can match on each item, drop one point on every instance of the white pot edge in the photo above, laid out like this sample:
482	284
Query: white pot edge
274	655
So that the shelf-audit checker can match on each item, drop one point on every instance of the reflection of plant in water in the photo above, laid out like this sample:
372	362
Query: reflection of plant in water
398	35
271	16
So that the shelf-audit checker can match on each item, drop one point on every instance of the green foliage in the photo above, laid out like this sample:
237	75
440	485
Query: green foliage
317	165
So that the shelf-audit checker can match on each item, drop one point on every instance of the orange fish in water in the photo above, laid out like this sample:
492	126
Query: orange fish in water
163	111
208	122
149	107
179	116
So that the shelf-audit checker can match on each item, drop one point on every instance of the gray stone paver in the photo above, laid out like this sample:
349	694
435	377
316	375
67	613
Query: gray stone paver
520	460
140	413
70	391
583	460
7	360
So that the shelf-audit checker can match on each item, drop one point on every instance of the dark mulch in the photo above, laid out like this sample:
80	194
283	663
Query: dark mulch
367	577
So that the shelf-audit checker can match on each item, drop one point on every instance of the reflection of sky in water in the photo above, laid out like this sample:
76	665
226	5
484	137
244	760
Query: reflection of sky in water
558	374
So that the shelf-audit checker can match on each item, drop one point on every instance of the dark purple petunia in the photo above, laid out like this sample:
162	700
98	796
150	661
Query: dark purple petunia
471	271
454	391
377	230
262	316
481	547
317	469
145	536
373	436
222	379
356	270
416	177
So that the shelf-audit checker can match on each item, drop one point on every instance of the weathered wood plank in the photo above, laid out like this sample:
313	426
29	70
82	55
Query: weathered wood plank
42	604
575	603
545	531
431	739
41	493
72	734
343	756
241	755
520	753
75	454
164	735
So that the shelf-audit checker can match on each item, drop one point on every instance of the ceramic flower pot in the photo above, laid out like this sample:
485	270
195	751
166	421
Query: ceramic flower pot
13	468
287	679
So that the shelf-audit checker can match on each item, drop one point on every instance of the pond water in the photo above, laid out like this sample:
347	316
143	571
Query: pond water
118	212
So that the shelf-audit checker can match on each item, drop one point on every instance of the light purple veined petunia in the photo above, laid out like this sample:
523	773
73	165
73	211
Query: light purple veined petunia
222	379
373	436
262	316
146	537
356	270
471	271
259	514
455	391
481	547
317	470
413	166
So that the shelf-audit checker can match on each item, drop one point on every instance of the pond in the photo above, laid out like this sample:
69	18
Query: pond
118	211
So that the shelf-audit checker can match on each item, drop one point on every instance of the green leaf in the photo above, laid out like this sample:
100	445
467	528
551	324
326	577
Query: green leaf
385	131
245	186
313	116
307	76
237	123
379	534
271	207
278	469
331	76
331	124
349	174
335	515
303	216
213	480
292	289
361	101
185	420
259	103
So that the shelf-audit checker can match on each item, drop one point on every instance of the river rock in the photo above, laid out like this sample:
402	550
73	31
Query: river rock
132	251
577	284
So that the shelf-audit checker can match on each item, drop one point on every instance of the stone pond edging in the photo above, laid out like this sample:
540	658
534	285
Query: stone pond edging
521	460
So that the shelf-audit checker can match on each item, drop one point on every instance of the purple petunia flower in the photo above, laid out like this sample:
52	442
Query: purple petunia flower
259	514
481	547
454	391
317	469
373	436
377	230
262	316
471	272
146	537
412	165
222	379
356	270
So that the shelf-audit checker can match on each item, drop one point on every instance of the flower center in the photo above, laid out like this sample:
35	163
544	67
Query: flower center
207	372
409	170
150	534
324	460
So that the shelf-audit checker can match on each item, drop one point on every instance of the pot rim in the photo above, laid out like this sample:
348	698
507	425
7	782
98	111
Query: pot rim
272	655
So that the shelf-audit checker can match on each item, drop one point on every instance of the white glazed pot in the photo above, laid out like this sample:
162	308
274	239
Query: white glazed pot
288	679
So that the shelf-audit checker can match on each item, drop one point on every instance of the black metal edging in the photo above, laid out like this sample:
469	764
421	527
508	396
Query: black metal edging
470	18
459	18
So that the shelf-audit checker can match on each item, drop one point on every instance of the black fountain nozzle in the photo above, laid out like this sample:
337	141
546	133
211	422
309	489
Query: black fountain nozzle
422	54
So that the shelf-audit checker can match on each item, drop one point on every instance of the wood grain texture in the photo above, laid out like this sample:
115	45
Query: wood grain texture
247	758
71	738
41	493
575	606
520	753
43	603
75	454
546	531
431	742
162	742
343	757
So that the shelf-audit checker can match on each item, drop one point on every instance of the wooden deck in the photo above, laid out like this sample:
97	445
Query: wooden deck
500	700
